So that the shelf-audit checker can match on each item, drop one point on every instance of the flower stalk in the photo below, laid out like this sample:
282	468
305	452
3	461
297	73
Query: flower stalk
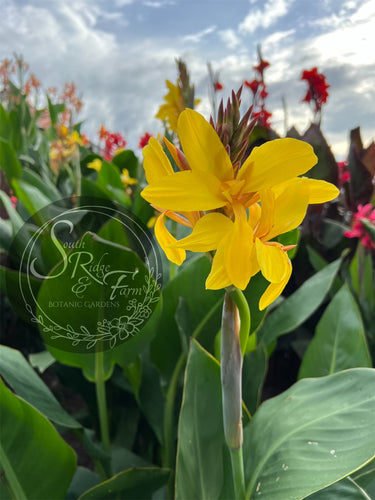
231	382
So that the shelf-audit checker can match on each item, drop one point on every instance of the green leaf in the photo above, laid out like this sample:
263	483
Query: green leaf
339	342
33	199
253	374
134	484
54	110
203	304
362	277
5	129
44	185
127	159
312	435
41	360
14	217
365	478
300	305
19	375
81	332
83	480
346	489
9	286
9	161
36	461
200	464
151	399
6	234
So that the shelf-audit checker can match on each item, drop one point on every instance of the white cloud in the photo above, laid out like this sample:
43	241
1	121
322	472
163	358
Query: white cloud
230	38
197	37
266	17
157	4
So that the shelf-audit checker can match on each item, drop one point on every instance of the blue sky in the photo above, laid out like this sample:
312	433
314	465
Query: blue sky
120	52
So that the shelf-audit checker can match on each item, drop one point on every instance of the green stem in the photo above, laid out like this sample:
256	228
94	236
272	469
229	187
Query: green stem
101	400
231	385
238	473
245	318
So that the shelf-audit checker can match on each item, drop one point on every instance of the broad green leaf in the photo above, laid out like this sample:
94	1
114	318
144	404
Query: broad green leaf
109	320
151	398
44	185
365	478
203	304
14	217
33	199
346	489
312	435
41	360
300	305
339	341
9	286
83	480
253	293
254	371
9	161
54	110
200	464
36	461
127	159
134	484
362	277
109	180
6	234
19	375
5	129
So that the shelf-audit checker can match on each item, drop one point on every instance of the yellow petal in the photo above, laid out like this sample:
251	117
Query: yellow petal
218	277
274	290
156	163
165	240
320	191
202	146
238	249
276	161
267	200
273	261
254	214
290	207
207	234
185	191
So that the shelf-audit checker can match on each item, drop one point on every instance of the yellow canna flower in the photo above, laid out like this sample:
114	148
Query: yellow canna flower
235	212
126	179
95	164
170	111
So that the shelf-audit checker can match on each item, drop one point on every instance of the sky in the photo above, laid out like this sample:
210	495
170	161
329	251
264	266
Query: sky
120	52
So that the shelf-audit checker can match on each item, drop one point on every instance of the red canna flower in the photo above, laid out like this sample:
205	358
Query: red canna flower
253	85
102	132
143	141
114	143
358	230
317	91
261	66
218	86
